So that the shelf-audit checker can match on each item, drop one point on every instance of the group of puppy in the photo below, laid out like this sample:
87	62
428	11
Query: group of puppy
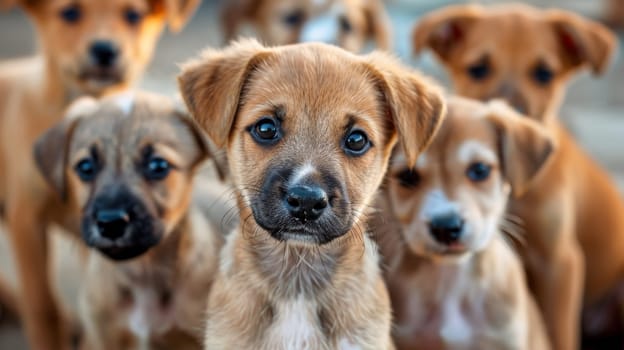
303	196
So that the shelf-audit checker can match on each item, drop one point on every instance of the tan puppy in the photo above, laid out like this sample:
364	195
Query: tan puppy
527	56
129	163
459	284
350	24
308	131
86	47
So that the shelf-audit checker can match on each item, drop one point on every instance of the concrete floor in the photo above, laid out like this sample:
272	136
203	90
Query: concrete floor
594	108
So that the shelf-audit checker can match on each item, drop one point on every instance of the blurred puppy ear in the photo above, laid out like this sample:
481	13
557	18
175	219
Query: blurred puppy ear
179	12
413	102
444	31
524	145
378	24
212	86
582	41
51	148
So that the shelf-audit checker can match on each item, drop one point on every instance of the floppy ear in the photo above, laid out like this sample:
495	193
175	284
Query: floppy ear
413	102
378	24
582	41
50	151
444	30
524	145
211	86
179	12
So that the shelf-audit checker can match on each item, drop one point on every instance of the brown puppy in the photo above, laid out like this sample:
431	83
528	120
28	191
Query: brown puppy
350	24
527	56
87	47
459	285
308	131
129	162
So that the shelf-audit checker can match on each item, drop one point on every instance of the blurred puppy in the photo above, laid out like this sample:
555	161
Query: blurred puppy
459	285
350	24
527	56
129	163
86	47
306	161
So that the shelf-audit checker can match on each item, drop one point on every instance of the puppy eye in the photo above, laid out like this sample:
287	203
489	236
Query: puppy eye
345	24
356	143
133	17
294	18
478	172
71	13
480	70
408	178
157	168
266	131
542	74
86	169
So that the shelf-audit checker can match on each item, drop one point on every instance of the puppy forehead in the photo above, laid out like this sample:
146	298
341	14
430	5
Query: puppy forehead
138	4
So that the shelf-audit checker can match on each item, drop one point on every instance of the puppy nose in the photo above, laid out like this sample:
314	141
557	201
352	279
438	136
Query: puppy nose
103	53
112	223
446	229
306	203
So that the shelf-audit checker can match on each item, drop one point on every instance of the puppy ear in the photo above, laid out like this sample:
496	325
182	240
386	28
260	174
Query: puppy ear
582	41
444	30
524	145
414	103
179	12
378	24
212	85
50	151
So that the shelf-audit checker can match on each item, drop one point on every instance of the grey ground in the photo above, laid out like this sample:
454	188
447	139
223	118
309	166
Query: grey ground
593	110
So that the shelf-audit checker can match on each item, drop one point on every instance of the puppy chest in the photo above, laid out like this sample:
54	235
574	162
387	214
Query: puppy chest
296	326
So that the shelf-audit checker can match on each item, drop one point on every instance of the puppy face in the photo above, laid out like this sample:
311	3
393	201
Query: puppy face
350	24
126	164
453	201
308	130
515	52
97	45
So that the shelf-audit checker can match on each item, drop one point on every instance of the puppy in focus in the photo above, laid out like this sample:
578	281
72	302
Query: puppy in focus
129	162
85	48
459	284
306	161
575	248
354	25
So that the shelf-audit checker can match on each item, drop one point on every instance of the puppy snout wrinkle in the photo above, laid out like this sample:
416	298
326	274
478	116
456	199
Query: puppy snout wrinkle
112	223
306	203
446	229
103	53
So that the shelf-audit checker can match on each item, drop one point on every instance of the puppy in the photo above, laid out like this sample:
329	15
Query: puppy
459	284
86	47
527	56
308	131
129	162
350	24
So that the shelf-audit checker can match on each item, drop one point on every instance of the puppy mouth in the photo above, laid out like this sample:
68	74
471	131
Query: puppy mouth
101	77
308	233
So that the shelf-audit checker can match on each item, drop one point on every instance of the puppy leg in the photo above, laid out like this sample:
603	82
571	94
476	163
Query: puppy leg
39	313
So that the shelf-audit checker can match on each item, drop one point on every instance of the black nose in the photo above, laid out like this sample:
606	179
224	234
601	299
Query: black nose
446	229
306	203
103	53
112	223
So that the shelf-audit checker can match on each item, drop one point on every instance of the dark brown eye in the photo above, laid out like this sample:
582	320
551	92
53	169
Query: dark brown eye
408	178
345	24
266	131
478	172
71	13
356	143
542	74
132	16
480	70
294	19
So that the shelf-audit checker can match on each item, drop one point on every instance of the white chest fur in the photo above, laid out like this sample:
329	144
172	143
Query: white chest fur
296	325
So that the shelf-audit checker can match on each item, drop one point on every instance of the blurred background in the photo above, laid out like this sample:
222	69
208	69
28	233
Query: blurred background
593	108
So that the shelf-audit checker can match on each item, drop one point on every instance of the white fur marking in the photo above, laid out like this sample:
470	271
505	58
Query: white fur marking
345	344
301	173
436	203
421	162
455	329
125	102
294	326
473	149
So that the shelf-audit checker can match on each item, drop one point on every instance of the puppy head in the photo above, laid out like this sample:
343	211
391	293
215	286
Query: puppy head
453	201
350	24
126	164
308	129
99	45
515	52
